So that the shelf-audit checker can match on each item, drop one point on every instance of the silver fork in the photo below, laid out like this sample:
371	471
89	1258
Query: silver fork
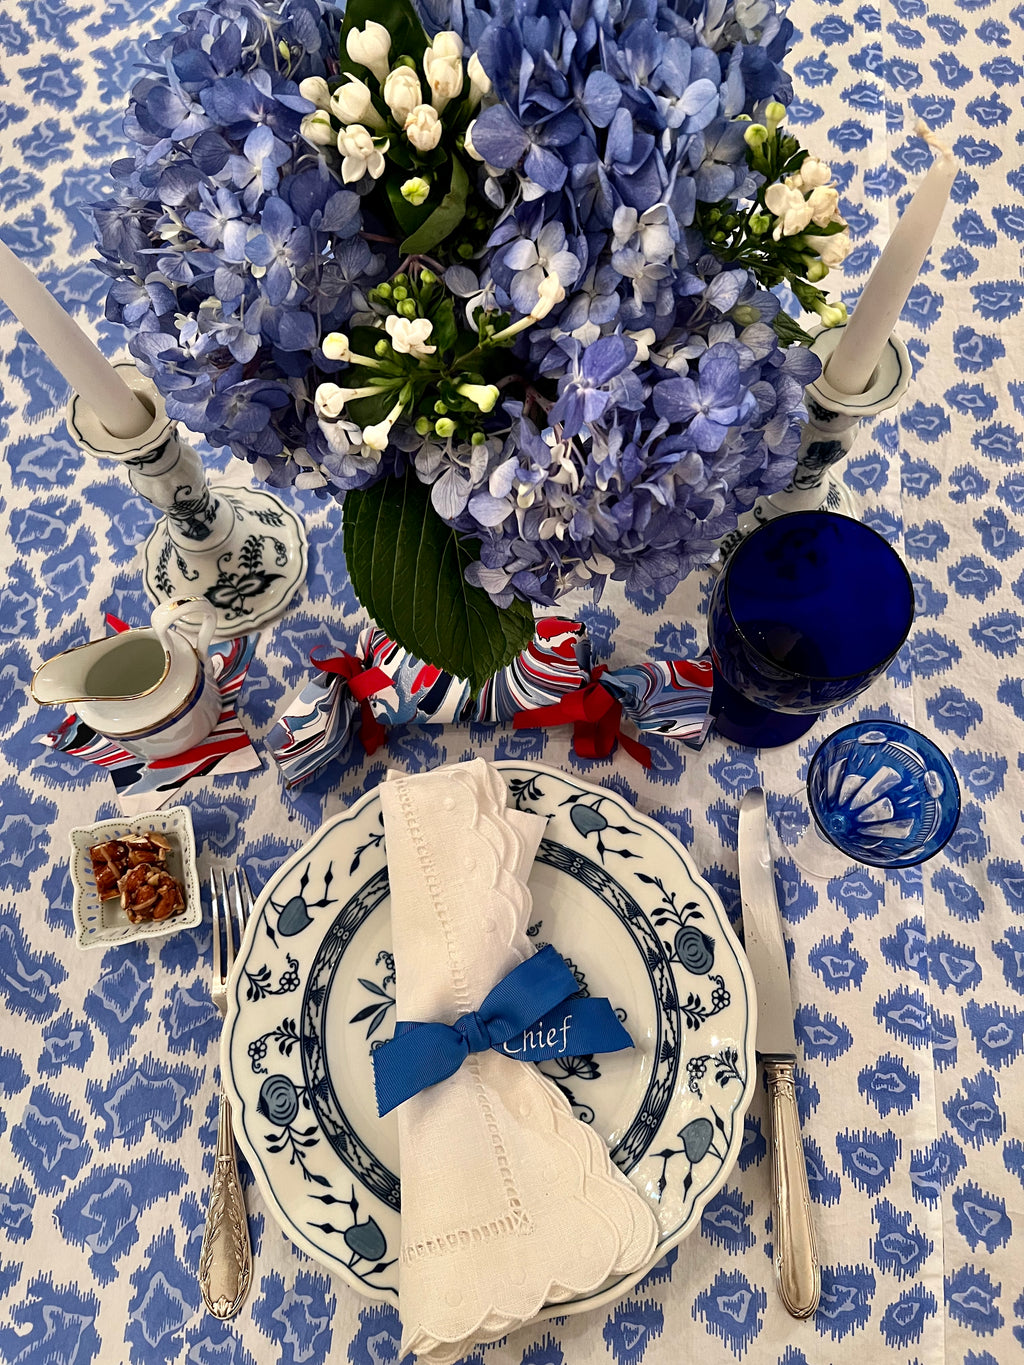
225	1262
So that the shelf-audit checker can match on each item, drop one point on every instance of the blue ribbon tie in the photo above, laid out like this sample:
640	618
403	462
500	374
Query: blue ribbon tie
528	1016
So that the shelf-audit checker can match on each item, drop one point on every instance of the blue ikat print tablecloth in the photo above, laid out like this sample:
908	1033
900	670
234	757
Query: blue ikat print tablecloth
909	987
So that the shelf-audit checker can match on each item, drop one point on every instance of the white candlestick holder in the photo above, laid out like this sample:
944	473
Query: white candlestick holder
241	548
833	420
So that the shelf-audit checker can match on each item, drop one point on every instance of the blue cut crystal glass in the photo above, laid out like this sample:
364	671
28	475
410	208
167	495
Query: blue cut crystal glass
808	611
883	794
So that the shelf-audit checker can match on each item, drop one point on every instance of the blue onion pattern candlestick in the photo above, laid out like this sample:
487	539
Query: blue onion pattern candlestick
238	547
828	436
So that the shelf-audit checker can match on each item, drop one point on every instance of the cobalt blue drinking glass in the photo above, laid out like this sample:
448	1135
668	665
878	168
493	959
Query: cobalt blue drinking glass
807	612
883	794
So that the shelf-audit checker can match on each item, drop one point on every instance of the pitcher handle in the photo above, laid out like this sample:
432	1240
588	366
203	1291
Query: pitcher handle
167	614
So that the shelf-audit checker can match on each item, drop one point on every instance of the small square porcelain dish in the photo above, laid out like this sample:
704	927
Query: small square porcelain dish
102	923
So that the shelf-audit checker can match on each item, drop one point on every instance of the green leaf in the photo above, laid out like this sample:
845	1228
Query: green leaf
407	568
445	327
369	411
445	218
788	330
400	19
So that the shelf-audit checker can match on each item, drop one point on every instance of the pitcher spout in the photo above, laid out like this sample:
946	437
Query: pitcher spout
90	673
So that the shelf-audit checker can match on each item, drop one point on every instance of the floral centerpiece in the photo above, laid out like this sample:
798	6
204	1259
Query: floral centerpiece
497	274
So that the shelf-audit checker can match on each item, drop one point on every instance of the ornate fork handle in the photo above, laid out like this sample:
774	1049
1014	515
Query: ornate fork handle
225	1262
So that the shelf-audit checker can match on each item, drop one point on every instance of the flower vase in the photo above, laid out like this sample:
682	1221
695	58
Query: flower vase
833	420
238	547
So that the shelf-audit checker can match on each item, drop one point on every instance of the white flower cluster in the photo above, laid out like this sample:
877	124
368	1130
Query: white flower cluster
805	199
364	138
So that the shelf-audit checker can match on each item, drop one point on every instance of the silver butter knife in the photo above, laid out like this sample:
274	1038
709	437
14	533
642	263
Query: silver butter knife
797	1273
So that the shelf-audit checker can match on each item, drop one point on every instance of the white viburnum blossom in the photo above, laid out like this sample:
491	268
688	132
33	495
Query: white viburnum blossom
318	129
329	399
468	141
376	437
789	207
402	92
352	103
549	293
833	250
335	346
823	203
410	336
813	173
416	190
360	154
370	47
442	66
316	90
479	81
423	128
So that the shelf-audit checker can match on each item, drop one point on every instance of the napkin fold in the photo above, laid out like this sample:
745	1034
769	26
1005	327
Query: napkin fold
508	1201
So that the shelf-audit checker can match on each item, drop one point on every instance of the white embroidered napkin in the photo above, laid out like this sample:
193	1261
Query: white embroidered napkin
508	1202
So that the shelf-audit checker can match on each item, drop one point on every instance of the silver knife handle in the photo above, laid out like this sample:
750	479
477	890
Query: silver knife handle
797	1272
225	1262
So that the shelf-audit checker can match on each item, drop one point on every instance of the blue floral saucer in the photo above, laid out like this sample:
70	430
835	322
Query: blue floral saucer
312	995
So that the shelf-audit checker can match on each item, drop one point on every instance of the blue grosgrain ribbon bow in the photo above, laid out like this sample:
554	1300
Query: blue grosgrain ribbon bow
527	1016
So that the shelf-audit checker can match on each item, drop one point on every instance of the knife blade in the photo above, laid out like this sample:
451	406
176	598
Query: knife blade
797	1273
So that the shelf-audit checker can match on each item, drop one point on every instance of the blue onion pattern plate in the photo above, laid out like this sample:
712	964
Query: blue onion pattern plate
312	996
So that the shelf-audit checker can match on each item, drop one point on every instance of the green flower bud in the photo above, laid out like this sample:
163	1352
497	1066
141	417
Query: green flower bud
478	439
817	270
744	315
465	250
422	426
427	277
399	293
444	427
407	308
382	348
831	314
756	135
382	291
774	115
760	223
401	279
416	190
440	408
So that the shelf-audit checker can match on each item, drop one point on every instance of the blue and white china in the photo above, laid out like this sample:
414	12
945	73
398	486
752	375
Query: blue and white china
241	548
152	691
103	924
883	794
312	997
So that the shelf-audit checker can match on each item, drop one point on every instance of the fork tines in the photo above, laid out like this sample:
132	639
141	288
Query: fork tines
231	903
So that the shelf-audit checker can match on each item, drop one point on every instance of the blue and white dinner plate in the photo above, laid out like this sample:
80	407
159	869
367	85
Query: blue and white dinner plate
312	995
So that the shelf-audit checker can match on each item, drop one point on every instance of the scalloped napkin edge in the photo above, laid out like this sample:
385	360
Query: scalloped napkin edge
508	1201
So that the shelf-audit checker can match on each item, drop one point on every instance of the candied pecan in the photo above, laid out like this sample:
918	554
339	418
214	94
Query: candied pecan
150	893
109	864
143	848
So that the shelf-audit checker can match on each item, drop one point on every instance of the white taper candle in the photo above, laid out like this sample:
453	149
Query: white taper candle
70	350
856	357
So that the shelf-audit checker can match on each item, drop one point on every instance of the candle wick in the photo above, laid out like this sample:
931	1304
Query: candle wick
935	143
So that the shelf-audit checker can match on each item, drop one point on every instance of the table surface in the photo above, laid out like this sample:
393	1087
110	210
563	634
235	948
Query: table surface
909	986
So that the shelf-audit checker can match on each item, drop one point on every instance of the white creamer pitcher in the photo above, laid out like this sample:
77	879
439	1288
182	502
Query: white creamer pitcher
151	691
